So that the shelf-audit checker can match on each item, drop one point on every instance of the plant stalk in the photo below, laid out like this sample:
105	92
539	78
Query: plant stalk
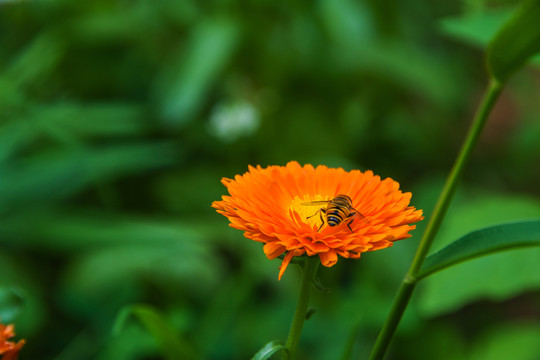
409	282
308	276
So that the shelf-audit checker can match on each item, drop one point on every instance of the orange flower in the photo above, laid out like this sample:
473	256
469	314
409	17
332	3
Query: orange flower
8	349
272	206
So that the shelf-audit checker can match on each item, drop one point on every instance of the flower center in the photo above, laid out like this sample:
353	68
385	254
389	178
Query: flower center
308	208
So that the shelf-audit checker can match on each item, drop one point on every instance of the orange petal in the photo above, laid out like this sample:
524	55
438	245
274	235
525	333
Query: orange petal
328	258
273	250
285	263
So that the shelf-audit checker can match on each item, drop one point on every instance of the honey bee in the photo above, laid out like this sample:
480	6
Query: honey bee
338	210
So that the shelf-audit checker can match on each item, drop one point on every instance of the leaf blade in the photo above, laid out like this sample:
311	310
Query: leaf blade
515	43
268	350
482	242
172	345
184	87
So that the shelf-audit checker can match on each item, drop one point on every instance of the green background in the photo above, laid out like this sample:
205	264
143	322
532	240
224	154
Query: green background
119	118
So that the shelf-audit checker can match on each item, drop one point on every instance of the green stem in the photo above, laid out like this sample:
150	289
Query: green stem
308	276
407	286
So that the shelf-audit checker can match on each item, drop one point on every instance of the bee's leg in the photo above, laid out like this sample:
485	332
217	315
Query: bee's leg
350	222
321	211
313	214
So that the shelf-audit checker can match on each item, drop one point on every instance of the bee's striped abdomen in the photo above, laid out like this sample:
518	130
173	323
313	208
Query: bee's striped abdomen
335	215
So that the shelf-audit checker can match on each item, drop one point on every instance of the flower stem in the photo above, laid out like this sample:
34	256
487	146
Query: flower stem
308	275
409	282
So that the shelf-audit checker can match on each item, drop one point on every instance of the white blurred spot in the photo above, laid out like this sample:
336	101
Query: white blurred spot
230	121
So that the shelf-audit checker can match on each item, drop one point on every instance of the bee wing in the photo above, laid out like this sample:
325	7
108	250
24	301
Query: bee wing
322	202
360	215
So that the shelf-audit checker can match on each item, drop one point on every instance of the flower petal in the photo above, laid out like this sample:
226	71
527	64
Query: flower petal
272	250
285	263
328	258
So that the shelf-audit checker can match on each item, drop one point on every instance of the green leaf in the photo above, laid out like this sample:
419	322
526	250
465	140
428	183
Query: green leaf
516	42
11	303
516	341
56	174
185	86
268	350
83	120
497	277
483	242
476	28
70	229
172	344
36	61
22	296
99	274
68	123
133	342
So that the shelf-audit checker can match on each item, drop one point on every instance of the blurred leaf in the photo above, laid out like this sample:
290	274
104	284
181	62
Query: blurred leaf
69	123
347	22
132	342
113	256
12	98
410	67
223	310
22	294
498	276
173	346
108	25
483	242
57	174
175	189
89	119
476	28
15	136
268	350
185	86
350	25
509	341
116	274
36	61
11	304
76	230
102	271
516	42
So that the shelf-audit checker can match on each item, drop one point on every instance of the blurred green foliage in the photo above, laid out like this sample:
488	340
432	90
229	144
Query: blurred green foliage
118	118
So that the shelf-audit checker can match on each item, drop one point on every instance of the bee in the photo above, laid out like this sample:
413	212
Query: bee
338	210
